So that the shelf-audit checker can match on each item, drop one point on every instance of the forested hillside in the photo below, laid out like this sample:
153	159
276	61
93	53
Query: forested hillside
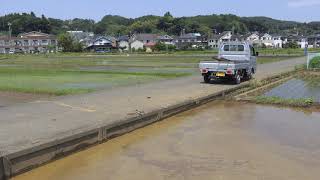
115	25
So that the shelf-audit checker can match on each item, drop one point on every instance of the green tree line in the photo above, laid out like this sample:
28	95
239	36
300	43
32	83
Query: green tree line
166	24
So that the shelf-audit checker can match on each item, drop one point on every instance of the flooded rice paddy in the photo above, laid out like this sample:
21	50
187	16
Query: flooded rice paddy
221	141
297	89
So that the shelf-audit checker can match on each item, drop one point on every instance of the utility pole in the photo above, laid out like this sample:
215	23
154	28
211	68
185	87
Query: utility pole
10	33
10	30
167	49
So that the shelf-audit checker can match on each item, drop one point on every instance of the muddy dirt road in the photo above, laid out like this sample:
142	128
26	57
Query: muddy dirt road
220	141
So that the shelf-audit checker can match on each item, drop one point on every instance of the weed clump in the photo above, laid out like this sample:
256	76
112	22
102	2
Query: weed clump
301	102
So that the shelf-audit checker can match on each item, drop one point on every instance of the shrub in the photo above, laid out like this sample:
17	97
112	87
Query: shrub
315	62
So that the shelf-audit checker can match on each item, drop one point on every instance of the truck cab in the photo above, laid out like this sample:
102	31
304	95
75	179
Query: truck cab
236	61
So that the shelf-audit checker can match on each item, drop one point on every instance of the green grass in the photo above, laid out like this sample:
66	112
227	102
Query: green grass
62	74
303	102
288	52
63	82
265	60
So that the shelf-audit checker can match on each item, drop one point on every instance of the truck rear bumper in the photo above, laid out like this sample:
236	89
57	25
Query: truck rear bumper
218	75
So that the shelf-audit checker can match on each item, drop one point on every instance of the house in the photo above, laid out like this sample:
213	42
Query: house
123	43
301	41
31	42
166	39
189	40
149	46
252	38
277	41
217	39
101	44
314	41
137	45
140	41
146	38
149	41
266	40
236	37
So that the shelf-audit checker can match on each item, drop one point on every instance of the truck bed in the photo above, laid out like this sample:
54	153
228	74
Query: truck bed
217	64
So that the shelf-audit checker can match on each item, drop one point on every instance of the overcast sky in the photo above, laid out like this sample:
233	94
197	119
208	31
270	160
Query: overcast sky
298	10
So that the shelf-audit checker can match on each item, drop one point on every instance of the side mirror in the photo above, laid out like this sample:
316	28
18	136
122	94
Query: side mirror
257	53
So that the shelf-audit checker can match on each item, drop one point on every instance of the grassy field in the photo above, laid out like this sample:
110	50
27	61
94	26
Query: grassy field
72	74
287	52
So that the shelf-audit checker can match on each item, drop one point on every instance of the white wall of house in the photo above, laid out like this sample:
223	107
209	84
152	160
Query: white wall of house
253	39
277	42
124	44
214	43
137	45
266	40
266	37
226	37
303	43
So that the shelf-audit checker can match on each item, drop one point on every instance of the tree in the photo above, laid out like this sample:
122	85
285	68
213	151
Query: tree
165	22
65	41
68	44
160	47
292	45
115	25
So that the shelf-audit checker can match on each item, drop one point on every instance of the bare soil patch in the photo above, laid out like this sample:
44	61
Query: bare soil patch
14	98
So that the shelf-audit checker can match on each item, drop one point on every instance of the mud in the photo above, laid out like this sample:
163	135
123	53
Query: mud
222	140
15	98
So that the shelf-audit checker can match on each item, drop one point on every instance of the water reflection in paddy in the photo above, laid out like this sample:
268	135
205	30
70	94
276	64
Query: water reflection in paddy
222	140
297	88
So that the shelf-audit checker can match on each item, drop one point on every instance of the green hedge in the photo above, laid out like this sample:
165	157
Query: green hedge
315	62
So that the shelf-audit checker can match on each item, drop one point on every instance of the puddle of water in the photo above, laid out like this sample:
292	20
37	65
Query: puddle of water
222	140
295	89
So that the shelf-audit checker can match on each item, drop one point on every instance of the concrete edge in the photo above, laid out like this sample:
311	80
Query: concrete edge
28	159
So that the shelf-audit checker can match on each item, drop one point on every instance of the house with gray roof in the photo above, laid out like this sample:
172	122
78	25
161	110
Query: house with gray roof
189	40
215	40
31	42
166	39
101	44
123	43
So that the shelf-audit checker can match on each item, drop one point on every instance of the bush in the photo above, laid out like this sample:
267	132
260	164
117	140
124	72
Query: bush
68	44
315	62
291	45
160	47
163	47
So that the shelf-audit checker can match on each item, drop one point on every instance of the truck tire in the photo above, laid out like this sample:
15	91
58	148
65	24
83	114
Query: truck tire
248	76
237	79
206	79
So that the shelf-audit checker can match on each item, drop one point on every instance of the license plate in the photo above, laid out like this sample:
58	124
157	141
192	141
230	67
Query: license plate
220	74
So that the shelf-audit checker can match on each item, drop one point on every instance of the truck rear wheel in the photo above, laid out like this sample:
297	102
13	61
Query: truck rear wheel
237	79
248	76
206	78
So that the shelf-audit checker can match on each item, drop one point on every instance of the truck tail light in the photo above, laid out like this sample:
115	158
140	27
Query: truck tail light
204	71
229	71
